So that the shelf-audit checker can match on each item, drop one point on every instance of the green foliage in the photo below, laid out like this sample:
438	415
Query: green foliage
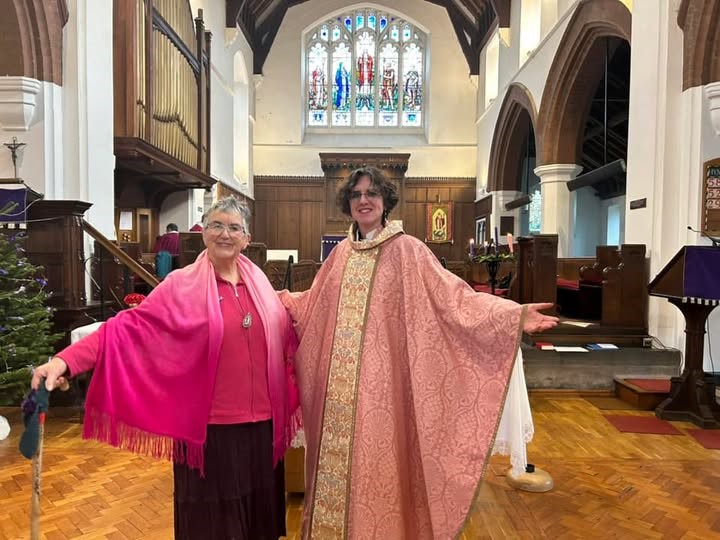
26	336
494	257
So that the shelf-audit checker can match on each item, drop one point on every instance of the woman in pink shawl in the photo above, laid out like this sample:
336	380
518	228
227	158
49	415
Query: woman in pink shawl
200	373
402	370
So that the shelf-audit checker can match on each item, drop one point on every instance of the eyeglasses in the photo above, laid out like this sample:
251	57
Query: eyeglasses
233	229
370	194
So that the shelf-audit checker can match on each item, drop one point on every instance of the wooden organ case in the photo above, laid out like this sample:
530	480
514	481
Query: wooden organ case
161	110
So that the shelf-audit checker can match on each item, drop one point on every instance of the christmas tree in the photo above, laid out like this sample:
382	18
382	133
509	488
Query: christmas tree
26	338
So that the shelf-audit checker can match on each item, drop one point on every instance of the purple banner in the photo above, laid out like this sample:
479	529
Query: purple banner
702	272
13	204
328	243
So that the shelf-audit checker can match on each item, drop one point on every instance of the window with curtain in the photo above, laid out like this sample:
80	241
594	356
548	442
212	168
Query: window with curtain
365	69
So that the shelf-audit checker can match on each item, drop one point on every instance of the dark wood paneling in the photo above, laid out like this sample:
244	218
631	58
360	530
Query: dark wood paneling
418	193
483	207
294	212
290	214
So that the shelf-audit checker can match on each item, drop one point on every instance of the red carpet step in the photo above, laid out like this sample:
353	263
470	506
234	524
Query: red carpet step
709	438
641	424
651	385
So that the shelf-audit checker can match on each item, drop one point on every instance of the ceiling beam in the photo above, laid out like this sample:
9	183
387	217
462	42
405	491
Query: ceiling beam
265	35
471	34
472	20
238	14
502	9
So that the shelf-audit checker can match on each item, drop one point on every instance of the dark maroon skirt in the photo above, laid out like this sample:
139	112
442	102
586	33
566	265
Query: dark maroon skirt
241	496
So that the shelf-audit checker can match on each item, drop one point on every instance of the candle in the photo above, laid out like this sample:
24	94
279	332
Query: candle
472	247
510	242
497	240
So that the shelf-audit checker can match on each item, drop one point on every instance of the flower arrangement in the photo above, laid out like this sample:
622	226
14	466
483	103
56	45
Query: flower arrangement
133	299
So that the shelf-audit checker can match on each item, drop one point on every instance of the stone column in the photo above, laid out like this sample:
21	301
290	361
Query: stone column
88	111
557	202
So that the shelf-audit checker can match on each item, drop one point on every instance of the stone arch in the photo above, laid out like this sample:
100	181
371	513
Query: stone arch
701	41
32	33
574	75
517	116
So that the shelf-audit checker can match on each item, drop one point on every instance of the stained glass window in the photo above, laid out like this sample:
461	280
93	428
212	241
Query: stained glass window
371	21
535	212
412	91
317	85
389	62
365	69
342	85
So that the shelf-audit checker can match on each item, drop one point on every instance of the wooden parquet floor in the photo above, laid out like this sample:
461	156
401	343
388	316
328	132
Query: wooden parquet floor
607	485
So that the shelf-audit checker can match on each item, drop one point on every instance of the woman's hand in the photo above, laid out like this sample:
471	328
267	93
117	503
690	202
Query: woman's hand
536	321
53	373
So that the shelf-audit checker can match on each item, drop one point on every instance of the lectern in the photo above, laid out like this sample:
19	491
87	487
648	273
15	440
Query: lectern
691	281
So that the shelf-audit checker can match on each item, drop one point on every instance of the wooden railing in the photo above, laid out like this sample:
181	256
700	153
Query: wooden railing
134	266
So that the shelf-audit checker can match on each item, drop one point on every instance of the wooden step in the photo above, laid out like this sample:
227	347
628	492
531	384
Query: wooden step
646	396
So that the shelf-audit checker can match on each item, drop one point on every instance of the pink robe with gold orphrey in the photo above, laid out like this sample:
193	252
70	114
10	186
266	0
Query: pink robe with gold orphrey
402	370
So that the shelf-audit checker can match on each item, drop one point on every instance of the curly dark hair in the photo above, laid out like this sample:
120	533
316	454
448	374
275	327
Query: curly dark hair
378	181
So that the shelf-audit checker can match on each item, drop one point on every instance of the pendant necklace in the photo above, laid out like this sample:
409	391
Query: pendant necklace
247	319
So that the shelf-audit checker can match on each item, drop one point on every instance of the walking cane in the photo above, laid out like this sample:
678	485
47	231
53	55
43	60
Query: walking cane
36	474
35	409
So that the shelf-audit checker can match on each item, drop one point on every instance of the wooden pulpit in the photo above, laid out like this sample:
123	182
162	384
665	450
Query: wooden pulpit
691	281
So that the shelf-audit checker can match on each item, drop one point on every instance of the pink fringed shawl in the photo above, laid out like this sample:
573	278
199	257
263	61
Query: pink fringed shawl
153	383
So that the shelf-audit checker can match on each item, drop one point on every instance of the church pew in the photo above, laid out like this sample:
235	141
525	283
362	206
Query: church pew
460	268
612	288
191	245
275	272
536	266
257	253
302	275
624	288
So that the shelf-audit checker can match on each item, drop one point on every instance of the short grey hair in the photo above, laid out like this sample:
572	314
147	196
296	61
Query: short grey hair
229	205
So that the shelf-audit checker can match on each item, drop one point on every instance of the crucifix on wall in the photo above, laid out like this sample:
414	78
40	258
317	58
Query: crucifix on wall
14	147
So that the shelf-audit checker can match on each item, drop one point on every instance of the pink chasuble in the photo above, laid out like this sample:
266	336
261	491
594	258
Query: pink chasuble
402	370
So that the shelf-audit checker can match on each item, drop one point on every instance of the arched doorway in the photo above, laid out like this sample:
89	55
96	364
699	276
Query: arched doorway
600	207
513	156
583	120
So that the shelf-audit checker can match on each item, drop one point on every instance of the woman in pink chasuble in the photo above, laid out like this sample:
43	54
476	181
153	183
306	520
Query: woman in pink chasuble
402	370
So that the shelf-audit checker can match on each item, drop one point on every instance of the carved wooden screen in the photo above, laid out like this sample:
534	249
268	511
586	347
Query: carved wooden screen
162	83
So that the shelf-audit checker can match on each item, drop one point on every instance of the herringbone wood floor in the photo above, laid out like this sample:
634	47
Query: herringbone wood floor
608	485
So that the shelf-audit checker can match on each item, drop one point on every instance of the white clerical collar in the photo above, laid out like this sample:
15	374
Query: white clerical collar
369	236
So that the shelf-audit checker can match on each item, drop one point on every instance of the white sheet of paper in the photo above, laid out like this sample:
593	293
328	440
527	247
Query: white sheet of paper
578	323
607	346
571	349
126	221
